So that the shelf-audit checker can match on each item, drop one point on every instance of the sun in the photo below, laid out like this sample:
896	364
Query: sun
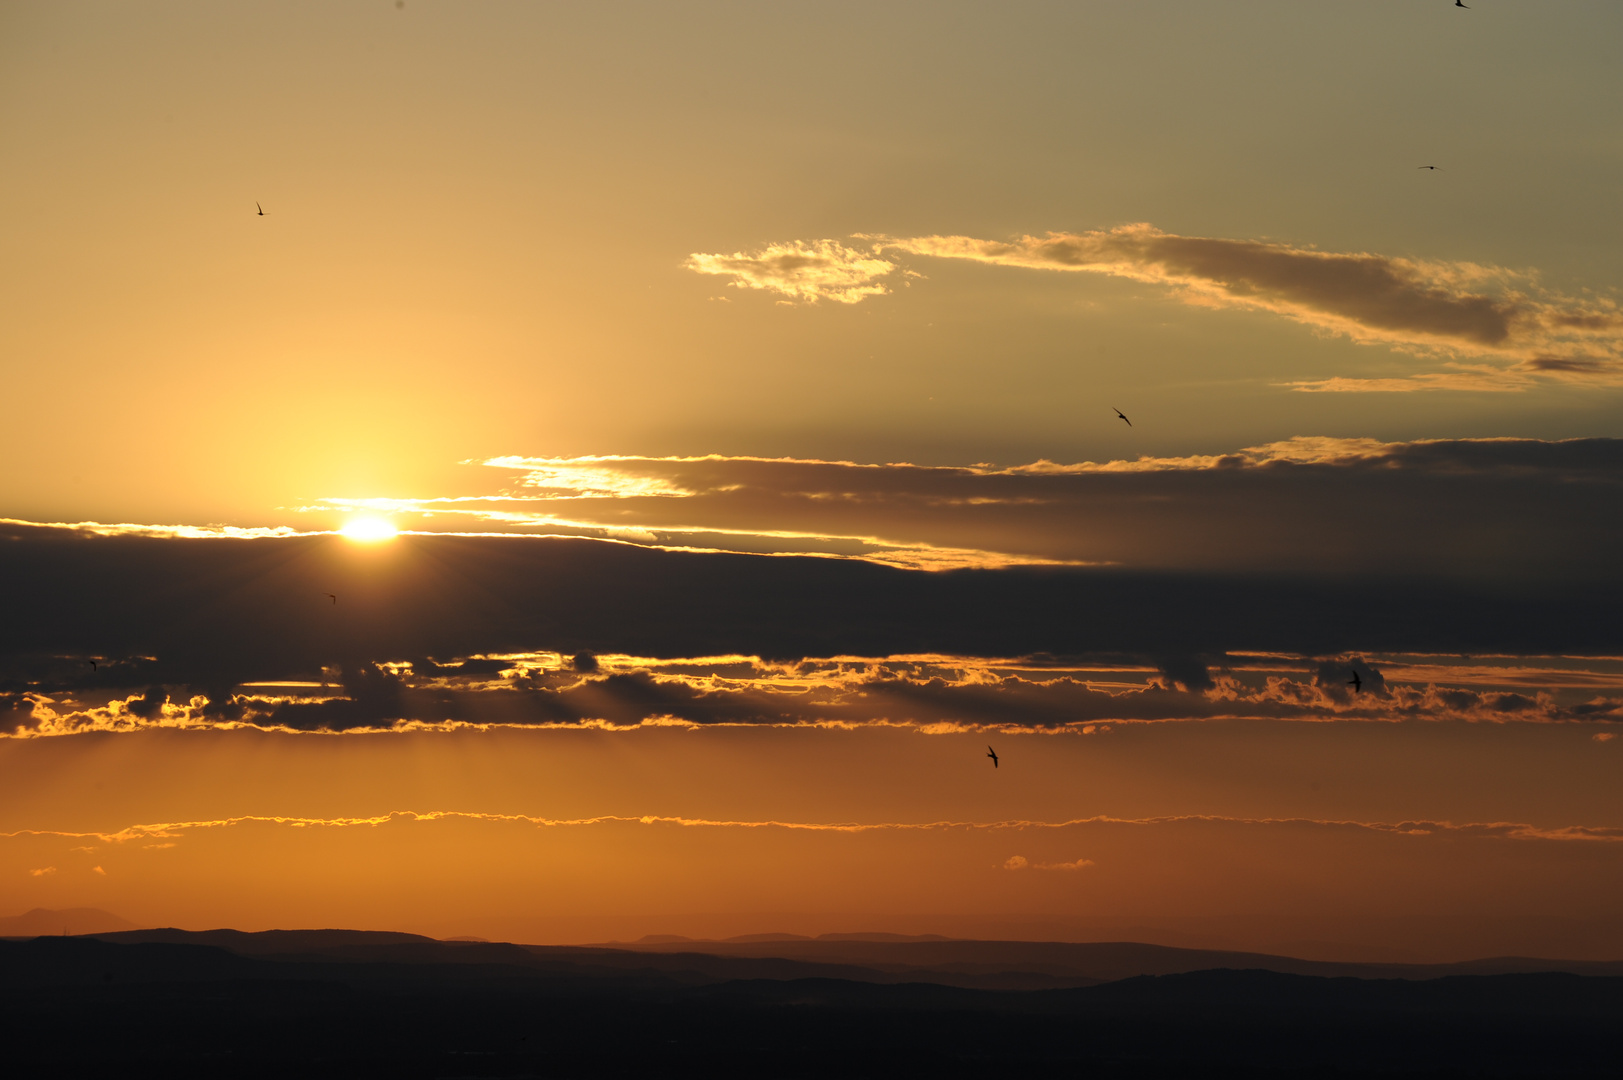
368	530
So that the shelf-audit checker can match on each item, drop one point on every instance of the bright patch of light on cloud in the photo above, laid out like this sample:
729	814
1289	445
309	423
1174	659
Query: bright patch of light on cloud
805	270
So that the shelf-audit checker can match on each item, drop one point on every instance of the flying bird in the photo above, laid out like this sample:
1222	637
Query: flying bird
1457	3
1425	166
261	209
1123	416
333	598
92	665
993	755
1355	682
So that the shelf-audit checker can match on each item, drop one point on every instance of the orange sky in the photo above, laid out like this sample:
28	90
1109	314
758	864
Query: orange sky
1254	833
768	360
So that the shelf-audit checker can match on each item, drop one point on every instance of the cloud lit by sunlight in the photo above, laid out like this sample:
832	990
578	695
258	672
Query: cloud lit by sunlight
1429	308
802	270
1160	510
934	694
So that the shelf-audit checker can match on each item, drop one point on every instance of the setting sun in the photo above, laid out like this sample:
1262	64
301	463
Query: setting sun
368	530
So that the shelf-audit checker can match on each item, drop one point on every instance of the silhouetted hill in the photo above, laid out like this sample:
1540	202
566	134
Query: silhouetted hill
266	942
872	958
1084	962
881	937
356	1007
684	967
77	961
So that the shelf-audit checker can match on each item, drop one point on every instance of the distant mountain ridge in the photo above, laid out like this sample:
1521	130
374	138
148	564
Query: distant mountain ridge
1033	964
867	957
41	921
860	957
327	1003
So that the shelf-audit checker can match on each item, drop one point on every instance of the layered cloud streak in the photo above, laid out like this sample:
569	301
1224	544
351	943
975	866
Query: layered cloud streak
1495	328
1505	508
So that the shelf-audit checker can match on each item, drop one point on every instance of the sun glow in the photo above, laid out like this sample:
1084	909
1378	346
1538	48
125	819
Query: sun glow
368	530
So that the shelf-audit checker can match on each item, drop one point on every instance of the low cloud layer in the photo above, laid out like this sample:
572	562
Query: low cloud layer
1494	329
934	694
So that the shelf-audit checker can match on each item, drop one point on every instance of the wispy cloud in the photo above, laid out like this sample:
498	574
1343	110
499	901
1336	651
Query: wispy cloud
1492	830
804	270
1020	862
1494	328
180	532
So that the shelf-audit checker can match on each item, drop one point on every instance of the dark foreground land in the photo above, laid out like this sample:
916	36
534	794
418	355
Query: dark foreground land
347	1004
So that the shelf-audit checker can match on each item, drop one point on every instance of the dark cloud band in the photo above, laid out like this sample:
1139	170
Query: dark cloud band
175	620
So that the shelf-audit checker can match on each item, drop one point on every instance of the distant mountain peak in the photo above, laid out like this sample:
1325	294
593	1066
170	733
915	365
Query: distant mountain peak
881	936
43	921
768	937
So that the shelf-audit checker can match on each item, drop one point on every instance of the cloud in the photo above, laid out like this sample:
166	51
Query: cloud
42	871
188	532
1334	548
807	270
933	694
1335	680
1020	862
186	624
1503	508
1455	311
1486	830
1185	672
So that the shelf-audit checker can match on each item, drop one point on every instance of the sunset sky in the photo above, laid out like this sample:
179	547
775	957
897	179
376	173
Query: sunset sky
643	454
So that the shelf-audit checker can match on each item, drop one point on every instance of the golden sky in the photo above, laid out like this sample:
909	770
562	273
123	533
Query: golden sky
639	302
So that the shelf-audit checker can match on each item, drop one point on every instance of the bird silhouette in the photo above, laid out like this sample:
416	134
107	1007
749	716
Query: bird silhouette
1465	6
261	209
1123	416
1425	166
333	598
92	665
993	755
1355	682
